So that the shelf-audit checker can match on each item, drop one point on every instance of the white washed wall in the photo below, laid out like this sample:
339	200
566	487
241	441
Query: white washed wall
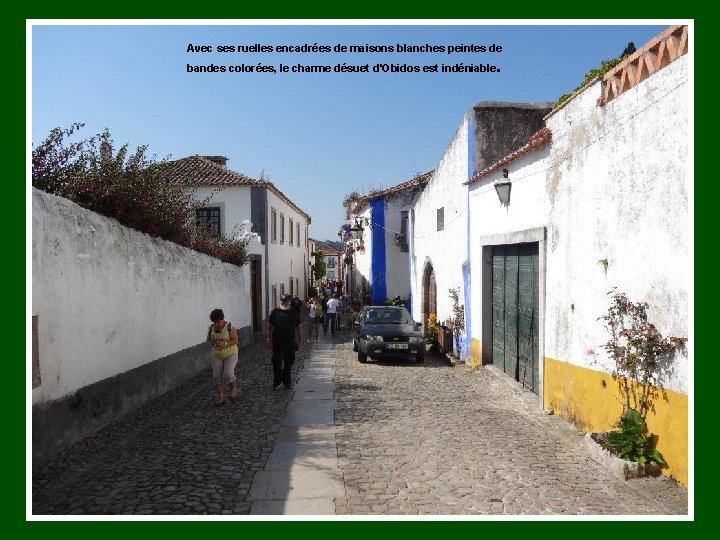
285	260
528	210
446	249
110	299
619	188
397	263
362	259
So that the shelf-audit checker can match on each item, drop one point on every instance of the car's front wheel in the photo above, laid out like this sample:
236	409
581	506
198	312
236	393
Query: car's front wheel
420	358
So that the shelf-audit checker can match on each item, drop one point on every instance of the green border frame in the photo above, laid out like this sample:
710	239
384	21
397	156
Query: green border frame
14	495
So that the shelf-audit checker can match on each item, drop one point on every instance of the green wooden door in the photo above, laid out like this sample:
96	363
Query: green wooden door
528	364
511	310
515	299
498	306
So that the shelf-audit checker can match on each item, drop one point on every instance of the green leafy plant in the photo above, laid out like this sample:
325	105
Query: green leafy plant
631	441
594	73
320	265
458	316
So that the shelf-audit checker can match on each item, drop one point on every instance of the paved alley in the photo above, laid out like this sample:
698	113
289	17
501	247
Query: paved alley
382	438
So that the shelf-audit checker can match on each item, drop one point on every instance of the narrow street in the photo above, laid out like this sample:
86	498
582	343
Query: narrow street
382	438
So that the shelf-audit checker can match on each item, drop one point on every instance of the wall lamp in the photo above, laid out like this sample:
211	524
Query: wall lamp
502	187
356	232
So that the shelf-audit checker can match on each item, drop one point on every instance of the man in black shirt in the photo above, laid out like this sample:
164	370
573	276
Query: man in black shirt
280	330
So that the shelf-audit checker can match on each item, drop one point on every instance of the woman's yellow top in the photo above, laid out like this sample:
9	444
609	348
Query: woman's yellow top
222	335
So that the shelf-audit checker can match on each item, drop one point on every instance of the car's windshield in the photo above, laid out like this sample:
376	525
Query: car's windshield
388	316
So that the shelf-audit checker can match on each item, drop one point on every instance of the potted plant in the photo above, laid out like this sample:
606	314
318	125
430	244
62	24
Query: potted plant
431	333
628	451
636	348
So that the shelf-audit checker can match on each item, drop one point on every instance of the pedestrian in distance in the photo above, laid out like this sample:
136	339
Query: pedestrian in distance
313	320
331	314
222	338
319	318
280	332
323	306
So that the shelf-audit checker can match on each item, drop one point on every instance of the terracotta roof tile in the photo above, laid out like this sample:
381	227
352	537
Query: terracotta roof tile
200	171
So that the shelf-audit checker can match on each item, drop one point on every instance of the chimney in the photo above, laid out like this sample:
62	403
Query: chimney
219	160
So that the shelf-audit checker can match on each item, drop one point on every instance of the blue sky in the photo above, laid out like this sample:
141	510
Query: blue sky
316	136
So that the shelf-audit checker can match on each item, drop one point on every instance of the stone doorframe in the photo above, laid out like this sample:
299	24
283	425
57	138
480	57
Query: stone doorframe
538	235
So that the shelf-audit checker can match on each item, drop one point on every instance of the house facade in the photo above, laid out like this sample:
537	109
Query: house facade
598	202
378	235
440	221
333	267
311	263
230	203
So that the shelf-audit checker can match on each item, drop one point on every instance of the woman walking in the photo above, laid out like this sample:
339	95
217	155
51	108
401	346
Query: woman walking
223	340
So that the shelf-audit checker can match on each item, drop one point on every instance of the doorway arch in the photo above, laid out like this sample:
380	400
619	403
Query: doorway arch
429	292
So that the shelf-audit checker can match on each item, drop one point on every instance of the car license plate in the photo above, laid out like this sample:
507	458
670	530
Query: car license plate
397	345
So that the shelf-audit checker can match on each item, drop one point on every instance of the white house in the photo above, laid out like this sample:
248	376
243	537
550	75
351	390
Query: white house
440	220
279	260
311	247
599	200
333	268
378	235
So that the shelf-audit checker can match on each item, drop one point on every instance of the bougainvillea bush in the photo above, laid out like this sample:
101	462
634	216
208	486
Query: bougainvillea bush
129	187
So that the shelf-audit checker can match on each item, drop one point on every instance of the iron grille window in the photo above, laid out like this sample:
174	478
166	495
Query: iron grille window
292	232
441	218
210	216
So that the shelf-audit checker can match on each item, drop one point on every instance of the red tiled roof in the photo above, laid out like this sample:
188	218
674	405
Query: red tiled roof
200	171
538	139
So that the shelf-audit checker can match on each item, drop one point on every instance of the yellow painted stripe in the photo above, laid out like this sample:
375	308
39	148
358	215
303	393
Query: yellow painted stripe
592	401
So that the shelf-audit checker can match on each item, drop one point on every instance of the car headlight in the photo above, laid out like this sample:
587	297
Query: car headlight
415	339
375	338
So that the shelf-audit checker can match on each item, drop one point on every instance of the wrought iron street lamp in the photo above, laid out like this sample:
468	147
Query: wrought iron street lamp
502	187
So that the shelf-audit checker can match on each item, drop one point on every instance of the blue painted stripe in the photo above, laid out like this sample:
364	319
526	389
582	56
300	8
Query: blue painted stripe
378	261
465	347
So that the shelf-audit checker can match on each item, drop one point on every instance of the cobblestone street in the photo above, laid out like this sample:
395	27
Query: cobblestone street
410	439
